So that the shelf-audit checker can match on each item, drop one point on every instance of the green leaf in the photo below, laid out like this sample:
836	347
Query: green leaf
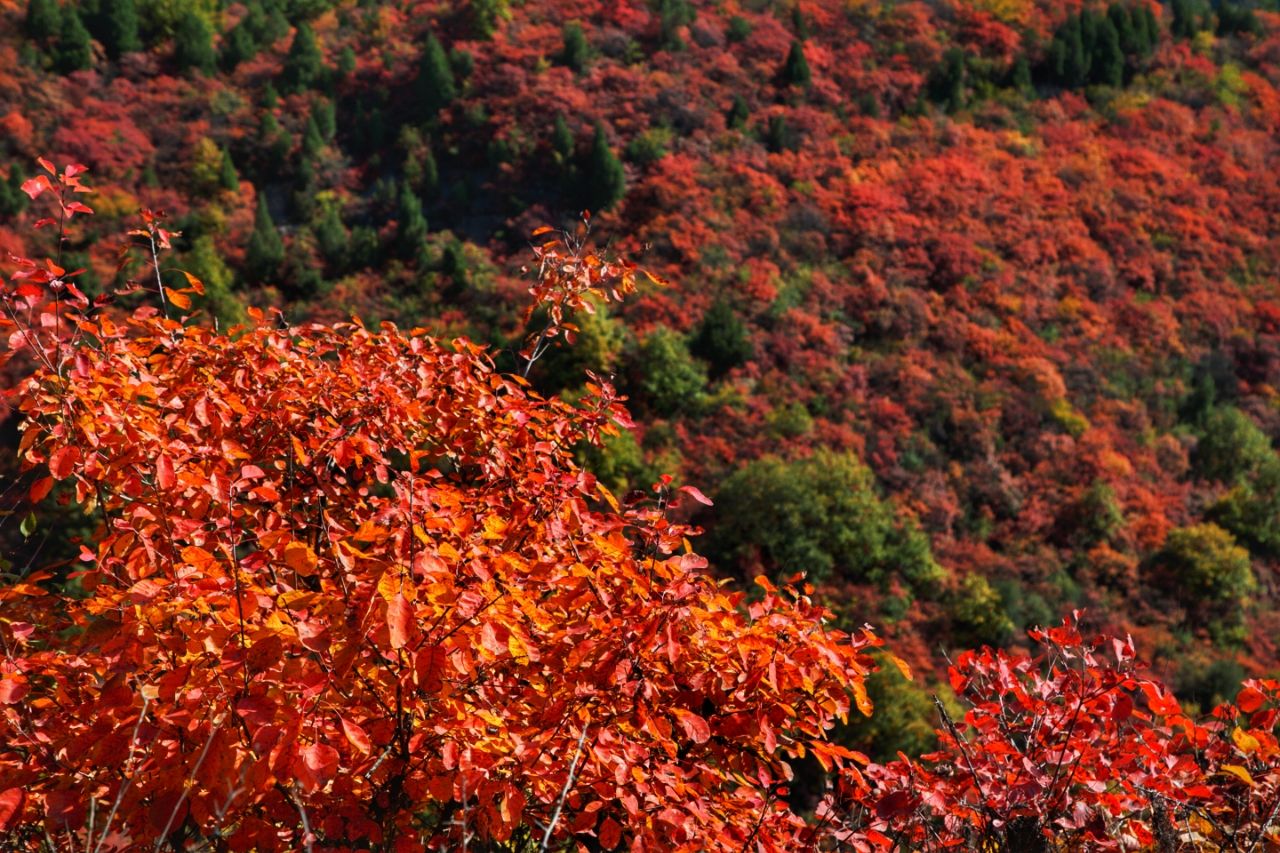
28	525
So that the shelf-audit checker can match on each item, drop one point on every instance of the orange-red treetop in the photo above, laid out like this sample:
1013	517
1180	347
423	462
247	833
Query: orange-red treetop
350	589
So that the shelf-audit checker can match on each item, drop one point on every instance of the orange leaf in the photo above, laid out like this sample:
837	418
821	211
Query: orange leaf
399	620
299	557
178	298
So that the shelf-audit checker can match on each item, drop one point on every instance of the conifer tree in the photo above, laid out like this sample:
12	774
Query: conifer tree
312	140
435	85
304	66
228	178
44	19
1152	27
411	223
74	51
120	28
606	182
576	50
238	46
193	45
1107	66
795	71
738	113
266	250
562	141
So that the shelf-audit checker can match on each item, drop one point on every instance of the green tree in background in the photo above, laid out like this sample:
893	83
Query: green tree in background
120	28
821	515
193	44
1231	448
795	70
1210	575
44	19
721	339
576	51
670	380
304	65
265	252
606	182
435	86
74	51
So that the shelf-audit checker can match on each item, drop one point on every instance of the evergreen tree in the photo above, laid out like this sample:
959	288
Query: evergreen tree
74	51
1122	20
238	45
795	71
947	85
562	142
228	179
265	252
1107	64
346	62
411	223
326	119
1184	19
1152	28
120	28
606	182
44	19
304	65
332	239
1021	77
576	50
193	45
435	84
312	141
738	113
1075	71
721	340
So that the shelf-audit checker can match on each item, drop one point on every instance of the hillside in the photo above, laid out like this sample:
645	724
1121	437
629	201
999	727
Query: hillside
974	312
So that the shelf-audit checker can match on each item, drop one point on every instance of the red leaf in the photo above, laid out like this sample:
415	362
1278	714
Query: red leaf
165	478
696	495
74	169
62	462
12	690
1250	700
399	620
36	185
317	764
358	737
11	802
695	727
252	472
610	833
40	488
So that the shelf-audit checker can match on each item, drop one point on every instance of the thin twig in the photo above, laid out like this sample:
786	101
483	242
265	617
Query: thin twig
564	792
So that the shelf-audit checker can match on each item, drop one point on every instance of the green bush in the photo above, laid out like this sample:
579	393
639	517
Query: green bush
1210	575
1231	447
671	381
821	515
977	614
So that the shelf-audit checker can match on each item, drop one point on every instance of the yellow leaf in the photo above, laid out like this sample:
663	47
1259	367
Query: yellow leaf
393	582
299	557
517	648
1244	741
900	664
1239	772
